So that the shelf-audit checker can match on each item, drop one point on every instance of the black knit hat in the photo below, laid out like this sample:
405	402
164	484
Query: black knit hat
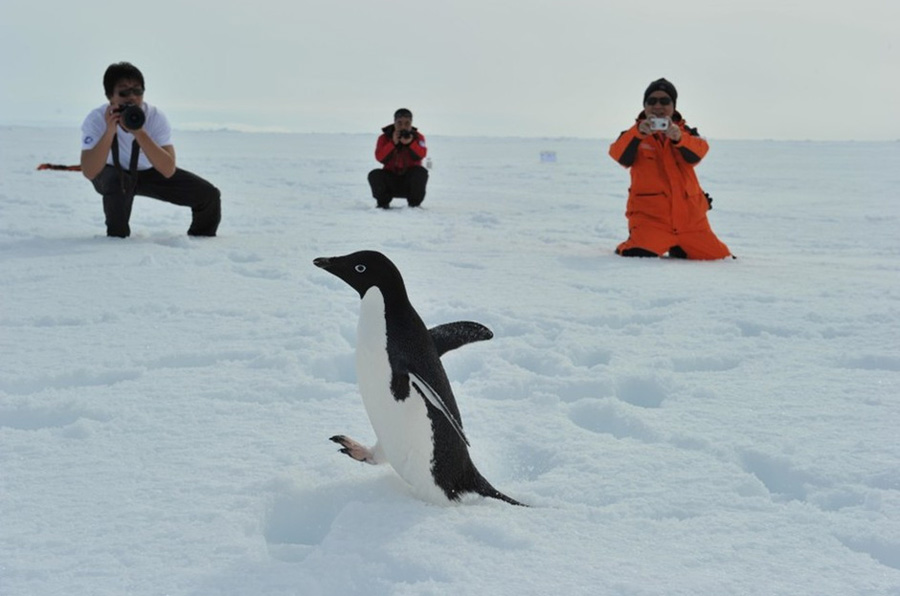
402	113
664	86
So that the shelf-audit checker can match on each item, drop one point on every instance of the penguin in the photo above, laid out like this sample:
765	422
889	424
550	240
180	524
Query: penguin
404	387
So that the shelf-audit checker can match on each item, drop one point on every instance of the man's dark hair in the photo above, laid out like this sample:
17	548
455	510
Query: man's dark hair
118	71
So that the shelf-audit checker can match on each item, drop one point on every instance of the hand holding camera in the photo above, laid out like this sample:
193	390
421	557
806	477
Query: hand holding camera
651	125
655	124
674	133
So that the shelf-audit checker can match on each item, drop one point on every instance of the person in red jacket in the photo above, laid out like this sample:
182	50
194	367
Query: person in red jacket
666	208
401	148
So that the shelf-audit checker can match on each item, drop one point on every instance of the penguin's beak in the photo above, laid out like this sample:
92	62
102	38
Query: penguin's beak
323	262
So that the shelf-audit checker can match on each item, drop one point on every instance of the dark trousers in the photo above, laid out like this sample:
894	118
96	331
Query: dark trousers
183	188
387	185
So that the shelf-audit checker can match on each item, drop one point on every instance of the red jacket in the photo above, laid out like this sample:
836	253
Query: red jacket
399	158
664	192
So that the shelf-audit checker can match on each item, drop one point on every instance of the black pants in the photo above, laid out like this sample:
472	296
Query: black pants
183	188
388	185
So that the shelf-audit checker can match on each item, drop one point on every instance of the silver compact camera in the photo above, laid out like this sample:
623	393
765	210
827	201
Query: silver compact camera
659	123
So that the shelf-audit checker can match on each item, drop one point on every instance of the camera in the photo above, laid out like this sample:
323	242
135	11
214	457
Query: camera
405	134
133	117
659	123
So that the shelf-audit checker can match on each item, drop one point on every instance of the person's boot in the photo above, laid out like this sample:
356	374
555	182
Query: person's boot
676	252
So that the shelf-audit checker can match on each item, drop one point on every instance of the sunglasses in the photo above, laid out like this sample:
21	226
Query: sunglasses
129	92
663	101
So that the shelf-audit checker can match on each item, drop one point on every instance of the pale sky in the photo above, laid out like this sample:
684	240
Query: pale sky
761	69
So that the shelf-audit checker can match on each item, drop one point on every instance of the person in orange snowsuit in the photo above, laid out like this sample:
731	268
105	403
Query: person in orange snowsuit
666	208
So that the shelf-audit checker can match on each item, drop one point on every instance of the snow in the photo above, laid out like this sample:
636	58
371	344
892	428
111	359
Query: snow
678	428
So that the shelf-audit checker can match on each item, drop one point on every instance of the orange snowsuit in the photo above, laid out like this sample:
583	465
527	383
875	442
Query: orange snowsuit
666	206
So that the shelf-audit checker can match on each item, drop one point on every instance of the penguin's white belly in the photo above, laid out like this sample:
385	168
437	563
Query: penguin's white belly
403	427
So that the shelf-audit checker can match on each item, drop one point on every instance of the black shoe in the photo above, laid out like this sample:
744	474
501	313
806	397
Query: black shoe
638	252
676	252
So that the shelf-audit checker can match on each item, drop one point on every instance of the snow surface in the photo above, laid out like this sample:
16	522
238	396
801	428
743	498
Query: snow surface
679	428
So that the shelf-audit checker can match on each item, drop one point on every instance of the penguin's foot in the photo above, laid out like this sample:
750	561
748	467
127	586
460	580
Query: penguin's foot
356	450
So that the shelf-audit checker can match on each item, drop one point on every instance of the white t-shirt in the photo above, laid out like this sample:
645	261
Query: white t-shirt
156	125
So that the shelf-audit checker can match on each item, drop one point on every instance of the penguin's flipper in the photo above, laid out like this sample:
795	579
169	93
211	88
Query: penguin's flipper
358	451
431	396
450	336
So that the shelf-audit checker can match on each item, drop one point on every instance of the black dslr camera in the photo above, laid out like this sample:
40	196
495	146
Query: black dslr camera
133	117
405	134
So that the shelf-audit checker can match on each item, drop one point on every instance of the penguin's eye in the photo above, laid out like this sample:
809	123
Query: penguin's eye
360	268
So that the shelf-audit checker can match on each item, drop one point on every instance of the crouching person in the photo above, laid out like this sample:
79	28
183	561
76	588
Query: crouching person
401	148
666	206
127	150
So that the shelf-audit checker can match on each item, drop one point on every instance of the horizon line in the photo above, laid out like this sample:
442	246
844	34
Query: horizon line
242	129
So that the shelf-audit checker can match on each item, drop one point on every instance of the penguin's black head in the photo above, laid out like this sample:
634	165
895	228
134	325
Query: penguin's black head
363	270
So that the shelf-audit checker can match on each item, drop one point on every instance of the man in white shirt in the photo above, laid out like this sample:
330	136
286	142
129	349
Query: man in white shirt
126	150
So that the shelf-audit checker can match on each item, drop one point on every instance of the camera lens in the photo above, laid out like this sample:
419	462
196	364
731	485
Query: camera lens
133	117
